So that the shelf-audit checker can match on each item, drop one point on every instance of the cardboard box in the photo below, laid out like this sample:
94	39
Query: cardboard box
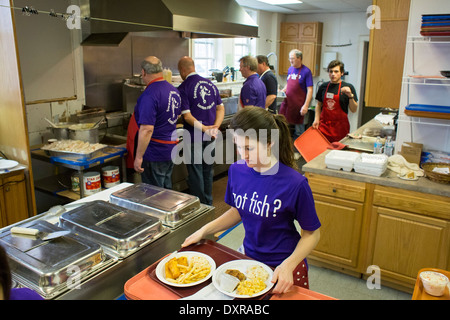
412	152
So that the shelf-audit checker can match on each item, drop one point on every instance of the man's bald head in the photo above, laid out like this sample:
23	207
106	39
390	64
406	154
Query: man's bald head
152	65
186	66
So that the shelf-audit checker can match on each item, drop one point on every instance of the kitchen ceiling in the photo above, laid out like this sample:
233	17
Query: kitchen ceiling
310	6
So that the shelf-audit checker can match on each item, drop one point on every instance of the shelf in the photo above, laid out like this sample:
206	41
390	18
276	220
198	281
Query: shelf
428	39
430	80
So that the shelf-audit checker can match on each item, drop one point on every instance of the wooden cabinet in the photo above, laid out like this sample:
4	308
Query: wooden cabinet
304	36
13	198
364	224
409	231
386	55
340	207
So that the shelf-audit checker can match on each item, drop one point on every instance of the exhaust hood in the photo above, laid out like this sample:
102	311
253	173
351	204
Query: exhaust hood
107	22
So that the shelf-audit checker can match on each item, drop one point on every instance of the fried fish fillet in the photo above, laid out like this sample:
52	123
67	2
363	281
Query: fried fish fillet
236	273
173	268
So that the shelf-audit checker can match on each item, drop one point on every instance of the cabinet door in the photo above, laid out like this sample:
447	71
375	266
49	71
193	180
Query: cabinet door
386	55
290	31
308	31
340	231
15	198
402	243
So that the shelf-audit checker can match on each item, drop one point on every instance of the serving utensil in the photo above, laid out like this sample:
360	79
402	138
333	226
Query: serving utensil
27	232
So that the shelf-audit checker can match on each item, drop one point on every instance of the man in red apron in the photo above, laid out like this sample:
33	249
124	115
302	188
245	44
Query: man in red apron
150	133
334	99
298	89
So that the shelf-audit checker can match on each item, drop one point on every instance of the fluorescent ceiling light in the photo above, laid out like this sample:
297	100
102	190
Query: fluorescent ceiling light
279	2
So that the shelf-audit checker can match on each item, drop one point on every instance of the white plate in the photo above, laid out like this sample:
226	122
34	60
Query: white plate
7	164
407	179
161	272
242	266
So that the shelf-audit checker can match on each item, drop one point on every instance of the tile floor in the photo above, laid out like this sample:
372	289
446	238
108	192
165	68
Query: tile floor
322	280
326	281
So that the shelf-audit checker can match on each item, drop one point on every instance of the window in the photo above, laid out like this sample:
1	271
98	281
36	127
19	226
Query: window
217	53
204	55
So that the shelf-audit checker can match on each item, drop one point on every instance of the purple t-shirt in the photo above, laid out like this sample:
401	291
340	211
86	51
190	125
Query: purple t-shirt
268	205
304	77
159	105
201	97
24	294
253	92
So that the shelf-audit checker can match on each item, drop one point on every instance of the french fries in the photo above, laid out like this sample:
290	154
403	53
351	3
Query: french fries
182	271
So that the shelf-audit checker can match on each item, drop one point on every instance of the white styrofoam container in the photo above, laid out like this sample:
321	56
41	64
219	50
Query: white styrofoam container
340	159
371	164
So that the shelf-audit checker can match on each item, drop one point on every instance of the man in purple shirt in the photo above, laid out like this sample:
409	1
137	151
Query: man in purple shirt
156	112
203	112
298	89
253	92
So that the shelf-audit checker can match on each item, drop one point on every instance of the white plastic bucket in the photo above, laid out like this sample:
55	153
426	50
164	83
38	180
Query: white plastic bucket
111	176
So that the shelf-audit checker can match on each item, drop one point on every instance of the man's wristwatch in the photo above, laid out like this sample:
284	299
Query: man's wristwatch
352	96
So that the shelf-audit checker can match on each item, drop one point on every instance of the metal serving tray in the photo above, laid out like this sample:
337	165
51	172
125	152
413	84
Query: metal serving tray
120	231
75	155
173	208
51	267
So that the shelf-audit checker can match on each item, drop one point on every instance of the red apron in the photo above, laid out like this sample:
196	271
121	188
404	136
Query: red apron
294	101
333	120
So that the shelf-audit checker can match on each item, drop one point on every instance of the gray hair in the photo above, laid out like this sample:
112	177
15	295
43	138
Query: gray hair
151	68
249	61
297	53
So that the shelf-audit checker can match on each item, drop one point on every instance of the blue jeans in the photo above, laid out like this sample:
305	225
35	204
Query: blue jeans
200	173
298	131
158	173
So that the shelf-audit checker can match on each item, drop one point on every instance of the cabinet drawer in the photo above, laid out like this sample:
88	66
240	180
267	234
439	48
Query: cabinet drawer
421	203
337	187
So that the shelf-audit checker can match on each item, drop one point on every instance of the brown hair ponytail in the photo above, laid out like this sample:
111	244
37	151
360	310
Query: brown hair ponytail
257	118
286	150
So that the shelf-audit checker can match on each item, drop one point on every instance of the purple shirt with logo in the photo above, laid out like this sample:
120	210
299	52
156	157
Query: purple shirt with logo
303	75
159	105
201	97
268	204
253	92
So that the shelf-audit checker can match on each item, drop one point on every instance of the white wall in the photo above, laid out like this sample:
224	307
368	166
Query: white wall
429	59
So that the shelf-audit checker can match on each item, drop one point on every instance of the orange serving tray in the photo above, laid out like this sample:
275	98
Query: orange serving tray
144	286
419	292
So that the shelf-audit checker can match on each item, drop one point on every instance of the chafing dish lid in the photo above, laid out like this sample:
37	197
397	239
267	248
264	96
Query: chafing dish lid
161	199
110	225
34	258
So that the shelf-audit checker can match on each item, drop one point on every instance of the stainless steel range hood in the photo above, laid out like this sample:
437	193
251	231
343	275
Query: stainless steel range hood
109	21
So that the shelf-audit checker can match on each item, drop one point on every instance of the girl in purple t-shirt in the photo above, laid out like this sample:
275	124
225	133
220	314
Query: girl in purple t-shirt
266	192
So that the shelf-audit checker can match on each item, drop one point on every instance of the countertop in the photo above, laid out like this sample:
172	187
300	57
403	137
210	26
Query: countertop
388	178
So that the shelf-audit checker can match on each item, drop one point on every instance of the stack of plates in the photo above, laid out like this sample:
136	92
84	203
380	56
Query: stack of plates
435	25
